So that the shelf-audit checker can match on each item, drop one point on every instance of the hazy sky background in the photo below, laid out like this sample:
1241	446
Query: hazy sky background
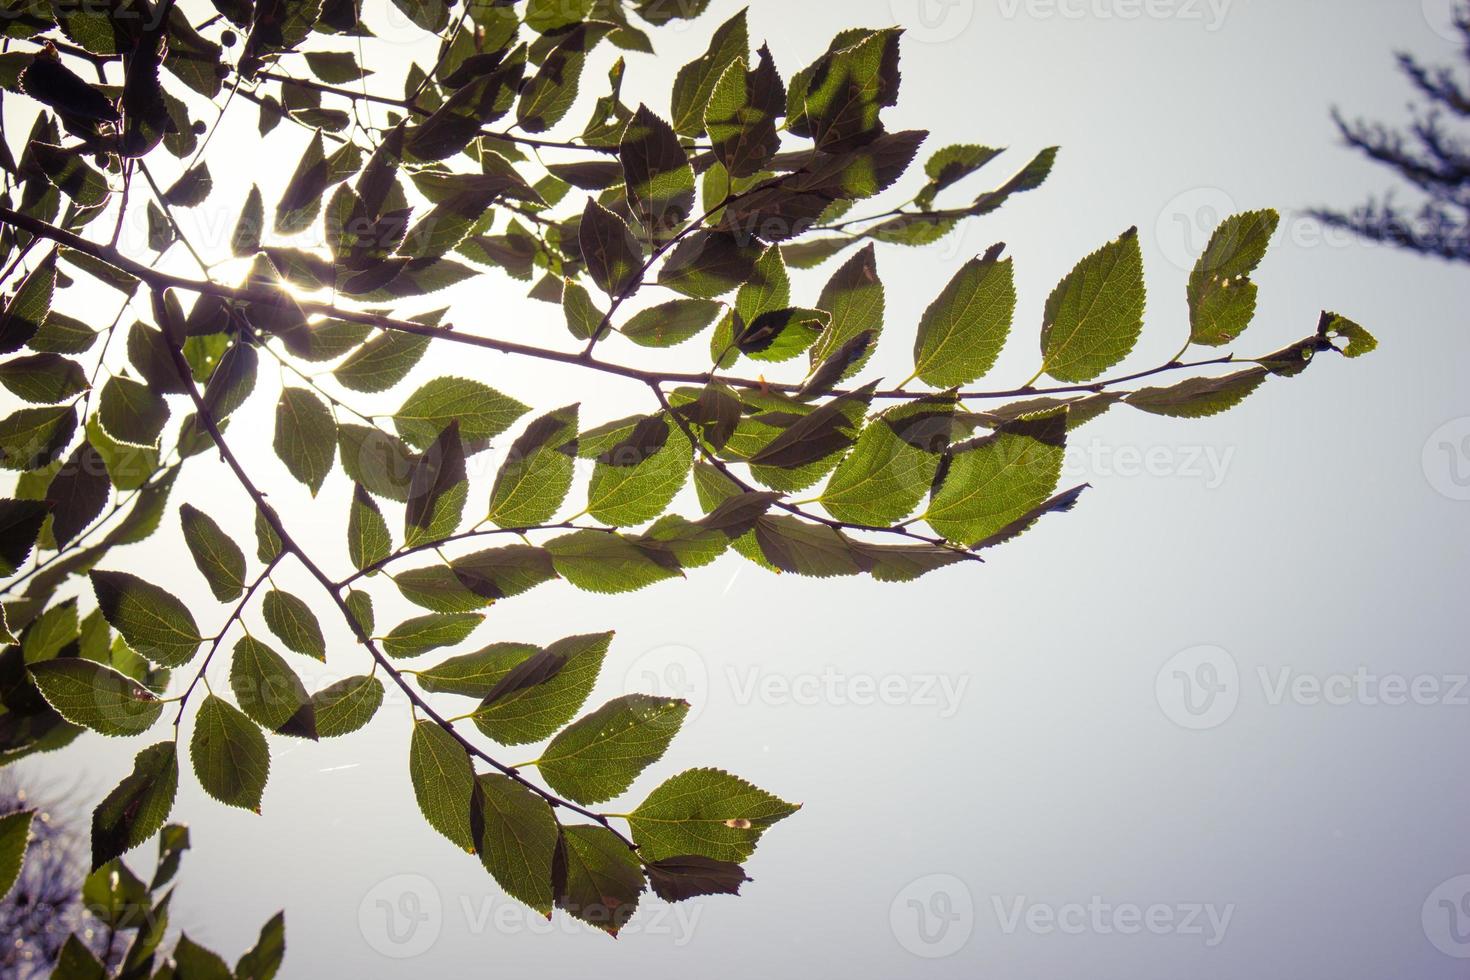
1039	758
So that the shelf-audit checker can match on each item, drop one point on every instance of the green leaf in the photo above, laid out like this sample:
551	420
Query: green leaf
598	756
132	412
232	381
416	637
77	493
1095	315
294	624
96	697
689	876
28	308
1222	297
694	85
483	100
669	324
368	541
708	264
855	299
1359	340
302	200
536	711
61	334
306	437
220	560
437	588
136	809
847	91
443	782
69	172
598	561
50	633
155	623
741	116
192	189
1198	398
705	812
20	523
77	962
599	879
659	179
475	674
15	837
335	67
347	705
483	413
962	332
230	756
267	688
382	362
614	259
500	573
537	473
360	606
642	464
893	464
950	165
517	839
129	467
582	315
267	543
376	460
43	379
263	960
550	93
437	490
992	481
35	437
245	240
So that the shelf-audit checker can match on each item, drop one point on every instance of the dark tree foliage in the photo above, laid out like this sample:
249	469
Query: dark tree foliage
59	921
647	227
1429	154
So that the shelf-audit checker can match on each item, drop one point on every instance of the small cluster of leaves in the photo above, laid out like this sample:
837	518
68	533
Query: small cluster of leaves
747	177
119	904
